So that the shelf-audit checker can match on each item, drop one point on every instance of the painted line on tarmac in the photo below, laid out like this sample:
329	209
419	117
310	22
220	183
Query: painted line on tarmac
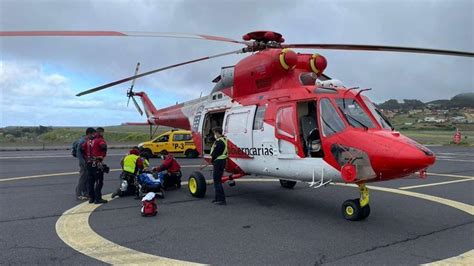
455	153
45	175
463	259
74	229
69	173
49	156
436	184
455	160
450	175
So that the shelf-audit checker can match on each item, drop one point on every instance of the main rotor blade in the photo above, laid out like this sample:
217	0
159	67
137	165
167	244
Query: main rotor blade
359	47
155	71
137	106
117	34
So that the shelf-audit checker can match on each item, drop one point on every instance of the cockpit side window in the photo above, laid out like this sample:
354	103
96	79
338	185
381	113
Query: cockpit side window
331	122
381	119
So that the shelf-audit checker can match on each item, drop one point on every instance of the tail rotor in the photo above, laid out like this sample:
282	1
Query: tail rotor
130	93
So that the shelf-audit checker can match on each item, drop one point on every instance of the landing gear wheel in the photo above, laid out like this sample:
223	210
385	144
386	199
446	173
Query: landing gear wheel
287	183
197	185
365	212
352	211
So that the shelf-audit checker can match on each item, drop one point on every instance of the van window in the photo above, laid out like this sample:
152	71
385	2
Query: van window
330	120
163	138
178	137
285	122
259	115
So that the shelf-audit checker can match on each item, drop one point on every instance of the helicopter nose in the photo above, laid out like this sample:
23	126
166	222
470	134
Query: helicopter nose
417	157
400	157
413	157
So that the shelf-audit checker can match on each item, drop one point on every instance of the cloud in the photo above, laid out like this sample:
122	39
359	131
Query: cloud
30	95
82	63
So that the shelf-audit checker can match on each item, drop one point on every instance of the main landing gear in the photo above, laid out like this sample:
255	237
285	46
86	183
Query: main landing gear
357	209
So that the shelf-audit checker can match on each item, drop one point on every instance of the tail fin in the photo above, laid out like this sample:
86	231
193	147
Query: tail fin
150	109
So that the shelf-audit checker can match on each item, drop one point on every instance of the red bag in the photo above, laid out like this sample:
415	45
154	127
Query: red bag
149	207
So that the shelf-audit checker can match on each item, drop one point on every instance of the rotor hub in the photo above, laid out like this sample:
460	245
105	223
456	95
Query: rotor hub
264	36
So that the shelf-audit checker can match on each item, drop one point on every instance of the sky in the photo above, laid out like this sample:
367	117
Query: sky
40	76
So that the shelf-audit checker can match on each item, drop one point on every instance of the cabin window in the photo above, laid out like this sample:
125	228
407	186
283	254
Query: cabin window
355	114
259	115
238	122
330	120
285	122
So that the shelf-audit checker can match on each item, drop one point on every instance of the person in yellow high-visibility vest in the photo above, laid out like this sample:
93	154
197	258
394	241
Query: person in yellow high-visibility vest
132	164
219	159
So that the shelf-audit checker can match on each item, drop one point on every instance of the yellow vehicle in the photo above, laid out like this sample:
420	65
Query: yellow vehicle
174	141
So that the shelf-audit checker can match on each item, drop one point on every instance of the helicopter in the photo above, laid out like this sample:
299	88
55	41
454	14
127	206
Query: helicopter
284	117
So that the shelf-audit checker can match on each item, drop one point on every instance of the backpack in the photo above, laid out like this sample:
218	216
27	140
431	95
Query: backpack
149	207
75	146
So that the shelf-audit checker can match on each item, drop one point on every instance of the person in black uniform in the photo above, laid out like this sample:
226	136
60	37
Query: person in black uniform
218	159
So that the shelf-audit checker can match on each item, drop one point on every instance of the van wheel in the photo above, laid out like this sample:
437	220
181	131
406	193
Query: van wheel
148	153
163	152
287	183
197	185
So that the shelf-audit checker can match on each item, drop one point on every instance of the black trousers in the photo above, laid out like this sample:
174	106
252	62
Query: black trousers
132	187
172	179
218	171
96	182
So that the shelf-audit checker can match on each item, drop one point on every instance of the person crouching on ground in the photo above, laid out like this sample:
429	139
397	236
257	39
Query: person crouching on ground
172	178
132	164
95	151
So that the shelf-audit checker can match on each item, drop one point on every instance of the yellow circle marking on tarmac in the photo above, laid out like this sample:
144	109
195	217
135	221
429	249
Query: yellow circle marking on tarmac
73	228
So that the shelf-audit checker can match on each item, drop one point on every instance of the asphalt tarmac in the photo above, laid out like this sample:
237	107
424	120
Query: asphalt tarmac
262	223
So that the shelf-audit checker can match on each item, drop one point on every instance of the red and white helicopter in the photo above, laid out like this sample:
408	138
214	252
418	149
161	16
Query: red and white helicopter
284	118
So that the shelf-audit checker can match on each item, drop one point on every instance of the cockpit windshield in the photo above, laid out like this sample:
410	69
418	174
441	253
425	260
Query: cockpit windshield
354	113
381	119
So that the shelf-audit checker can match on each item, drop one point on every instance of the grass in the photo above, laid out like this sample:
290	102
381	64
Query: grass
65	136
132	135
439	137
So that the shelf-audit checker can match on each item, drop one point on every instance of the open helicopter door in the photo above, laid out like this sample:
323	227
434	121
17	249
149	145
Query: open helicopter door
286	131
238	124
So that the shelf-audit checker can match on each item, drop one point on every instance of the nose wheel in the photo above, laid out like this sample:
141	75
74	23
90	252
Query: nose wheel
357	209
